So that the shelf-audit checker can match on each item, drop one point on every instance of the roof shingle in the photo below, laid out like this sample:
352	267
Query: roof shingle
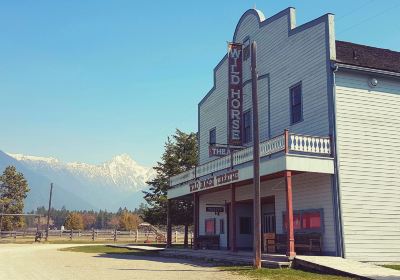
365	56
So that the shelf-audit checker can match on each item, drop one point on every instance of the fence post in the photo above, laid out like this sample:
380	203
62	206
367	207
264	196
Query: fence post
70	234
92	234
176	237
137	236
115	235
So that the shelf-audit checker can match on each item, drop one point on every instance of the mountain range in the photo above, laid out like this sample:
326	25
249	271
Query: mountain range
81	186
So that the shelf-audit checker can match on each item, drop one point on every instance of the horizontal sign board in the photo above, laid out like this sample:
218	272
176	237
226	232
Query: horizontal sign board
215	181
215	209
218	151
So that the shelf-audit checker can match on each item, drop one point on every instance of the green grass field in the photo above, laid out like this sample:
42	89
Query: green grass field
248	272
280	274
392	266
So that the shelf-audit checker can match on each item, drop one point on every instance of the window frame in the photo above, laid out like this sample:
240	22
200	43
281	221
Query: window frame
246	48
221	226
205	226
321	229
249	112
214	129
291	90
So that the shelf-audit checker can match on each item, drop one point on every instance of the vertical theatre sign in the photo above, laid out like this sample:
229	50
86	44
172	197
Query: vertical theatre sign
235	98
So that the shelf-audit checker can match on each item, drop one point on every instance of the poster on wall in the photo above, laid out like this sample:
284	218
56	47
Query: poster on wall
235	94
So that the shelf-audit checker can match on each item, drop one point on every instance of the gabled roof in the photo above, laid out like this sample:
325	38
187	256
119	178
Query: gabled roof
365	56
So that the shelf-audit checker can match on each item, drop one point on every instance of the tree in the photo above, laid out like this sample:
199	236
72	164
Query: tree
113	222
74	221
13	190
128	221
89	220
180	154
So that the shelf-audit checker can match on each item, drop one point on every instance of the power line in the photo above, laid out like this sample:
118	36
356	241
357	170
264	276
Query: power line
354	10
369	18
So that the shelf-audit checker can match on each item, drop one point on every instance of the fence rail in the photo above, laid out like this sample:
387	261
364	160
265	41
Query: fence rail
134	236
289	142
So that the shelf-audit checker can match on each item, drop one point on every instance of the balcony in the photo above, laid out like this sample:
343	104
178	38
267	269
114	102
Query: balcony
288	151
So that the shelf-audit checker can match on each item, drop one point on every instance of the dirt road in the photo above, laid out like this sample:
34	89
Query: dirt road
44	261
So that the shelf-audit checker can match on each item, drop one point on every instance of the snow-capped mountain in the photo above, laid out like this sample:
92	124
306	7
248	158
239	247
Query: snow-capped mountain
120	172
106	185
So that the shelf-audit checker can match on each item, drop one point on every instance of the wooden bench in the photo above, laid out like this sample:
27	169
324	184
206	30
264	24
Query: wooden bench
207	242
306	243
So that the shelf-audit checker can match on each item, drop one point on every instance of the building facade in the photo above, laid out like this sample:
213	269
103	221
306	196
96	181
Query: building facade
329	124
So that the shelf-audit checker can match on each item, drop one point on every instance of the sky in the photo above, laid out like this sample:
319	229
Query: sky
87	80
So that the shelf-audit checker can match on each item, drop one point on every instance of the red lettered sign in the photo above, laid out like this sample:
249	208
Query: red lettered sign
235	98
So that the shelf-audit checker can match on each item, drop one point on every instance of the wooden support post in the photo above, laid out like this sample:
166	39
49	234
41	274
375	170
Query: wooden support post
256	159
93	235
232	220
169	224
195	219
136	236
289	216
176	237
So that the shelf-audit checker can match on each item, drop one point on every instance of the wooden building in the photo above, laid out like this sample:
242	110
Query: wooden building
329	123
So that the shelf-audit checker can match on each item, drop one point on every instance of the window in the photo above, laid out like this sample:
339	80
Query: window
221	226
247	127
213	136
306	220
210	226
296	104
245	225
311	220
246	49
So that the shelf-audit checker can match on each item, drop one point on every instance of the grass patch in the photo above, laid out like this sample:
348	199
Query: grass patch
392	266
103	249
280	274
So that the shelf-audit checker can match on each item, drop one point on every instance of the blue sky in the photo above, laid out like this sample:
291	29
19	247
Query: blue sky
86	80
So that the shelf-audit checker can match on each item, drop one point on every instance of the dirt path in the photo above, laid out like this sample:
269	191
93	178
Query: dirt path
40	261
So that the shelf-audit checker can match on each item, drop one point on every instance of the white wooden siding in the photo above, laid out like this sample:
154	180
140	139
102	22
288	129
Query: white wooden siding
300	57
310	191
368	133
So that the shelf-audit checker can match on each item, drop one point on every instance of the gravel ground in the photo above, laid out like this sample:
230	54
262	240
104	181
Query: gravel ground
44	261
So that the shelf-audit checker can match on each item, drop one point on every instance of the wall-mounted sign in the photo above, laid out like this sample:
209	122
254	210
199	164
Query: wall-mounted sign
215	181
215	209
235	94
218	151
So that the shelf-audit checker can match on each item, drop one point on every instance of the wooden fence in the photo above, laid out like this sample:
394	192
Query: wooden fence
133	236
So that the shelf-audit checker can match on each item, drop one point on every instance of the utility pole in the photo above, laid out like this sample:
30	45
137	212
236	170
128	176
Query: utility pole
48	212
256	160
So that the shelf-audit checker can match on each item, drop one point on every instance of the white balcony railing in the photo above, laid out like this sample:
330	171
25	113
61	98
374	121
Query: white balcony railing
287	142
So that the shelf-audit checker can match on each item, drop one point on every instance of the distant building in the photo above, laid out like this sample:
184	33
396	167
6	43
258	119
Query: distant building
341	105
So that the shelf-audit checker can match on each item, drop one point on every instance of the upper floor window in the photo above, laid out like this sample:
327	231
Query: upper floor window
247	127
246	49
213	136
296	109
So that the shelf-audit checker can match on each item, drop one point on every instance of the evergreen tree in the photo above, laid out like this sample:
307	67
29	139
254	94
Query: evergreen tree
13	190
180	154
